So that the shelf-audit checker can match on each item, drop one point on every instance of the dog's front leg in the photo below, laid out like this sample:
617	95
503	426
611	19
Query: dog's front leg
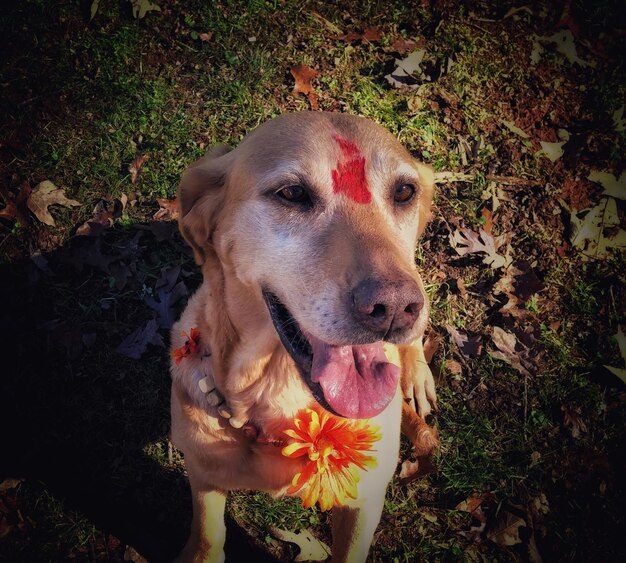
353	528
208	531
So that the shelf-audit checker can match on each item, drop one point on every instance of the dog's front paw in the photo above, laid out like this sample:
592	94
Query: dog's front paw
417	381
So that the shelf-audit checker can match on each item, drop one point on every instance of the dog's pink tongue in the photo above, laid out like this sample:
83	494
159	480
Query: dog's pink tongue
357	381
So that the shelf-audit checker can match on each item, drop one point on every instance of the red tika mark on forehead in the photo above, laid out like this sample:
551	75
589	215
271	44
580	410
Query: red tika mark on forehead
349	176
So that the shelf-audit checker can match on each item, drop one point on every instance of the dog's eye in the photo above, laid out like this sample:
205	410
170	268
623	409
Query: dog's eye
294	194
404	193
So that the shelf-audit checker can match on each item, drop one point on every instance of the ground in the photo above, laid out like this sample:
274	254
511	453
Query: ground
523	259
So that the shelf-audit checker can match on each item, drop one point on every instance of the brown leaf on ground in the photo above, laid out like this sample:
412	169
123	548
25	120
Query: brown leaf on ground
43	196
473	505
506	343
505	531
136	166
205	37
168	210
15	205
401	45
303	75
103	217
518	284
469	346
350	37
453	367
371	34
465	241
572	420
311	549
460	283
487	216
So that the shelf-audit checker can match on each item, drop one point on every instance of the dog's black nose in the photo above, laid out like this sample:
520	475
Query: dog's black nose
385	306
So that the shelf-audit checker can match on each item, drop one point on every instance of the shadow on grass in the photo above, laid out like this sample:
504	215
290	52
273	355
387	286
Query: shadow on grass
87	423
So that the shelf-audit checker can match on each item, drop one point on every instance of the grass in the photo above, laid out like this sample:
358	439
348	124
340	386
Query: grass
81	100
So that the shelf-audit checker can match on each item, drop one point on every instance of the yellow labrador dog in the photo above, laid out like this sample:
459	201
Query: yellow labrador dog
306	234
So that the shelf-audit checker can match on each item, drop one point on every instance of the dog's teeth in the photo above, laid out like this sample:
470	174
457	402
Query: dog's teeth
214	398
224	412
236	422
204	385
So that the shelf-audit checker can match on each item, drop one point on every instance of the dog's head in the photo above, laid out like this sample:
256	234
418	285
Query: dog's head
318	215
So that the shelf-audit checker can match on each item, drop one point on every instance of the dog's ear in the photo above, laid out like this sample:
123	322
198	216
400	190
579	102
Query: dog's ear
200	197
427	184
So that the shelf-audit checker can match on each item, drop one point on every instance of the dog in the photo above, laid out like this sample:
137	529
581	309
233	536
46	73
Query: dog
310	316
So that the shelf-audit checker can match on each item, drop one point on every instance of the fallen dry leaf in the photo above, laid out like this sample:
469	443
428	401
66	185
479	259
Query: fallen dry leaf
15	205
460	283
136	343
564	42
573	420
43	196
168	210
311	549
142	7
621	342
371	34
205	37
473	505
505	531
595	231
303	75
465	241
613	186
408	71
486	214
402	45
469	346
506	343
518	284
453	367
102	218
136	166
169	292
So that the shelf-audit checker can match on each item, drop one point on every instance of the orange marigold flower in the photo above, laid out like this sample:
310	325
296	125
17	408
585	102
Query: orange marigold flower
334	447
189	347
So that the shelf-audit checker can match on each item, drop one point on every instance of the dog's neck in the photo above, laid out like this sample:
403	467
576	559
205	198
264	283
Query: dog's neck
242	357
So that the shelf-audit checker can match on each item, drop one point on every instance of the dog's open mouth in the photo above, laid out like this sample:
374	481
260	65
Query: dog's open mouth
353	381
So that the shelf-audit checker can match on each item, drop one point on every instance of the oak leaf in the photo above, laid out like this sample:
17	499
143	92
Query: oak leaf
613	186
169	292
168	210
507	343
311	549
142	7
573	420
473	505
43	196
465	241
401	45
103	217
469	346
135	167
595	231
15	205
303	75
136	343
506	529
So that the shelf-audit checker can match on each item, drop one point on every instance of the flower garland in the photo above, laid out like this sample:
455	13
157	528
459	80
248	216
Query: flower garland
334	447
